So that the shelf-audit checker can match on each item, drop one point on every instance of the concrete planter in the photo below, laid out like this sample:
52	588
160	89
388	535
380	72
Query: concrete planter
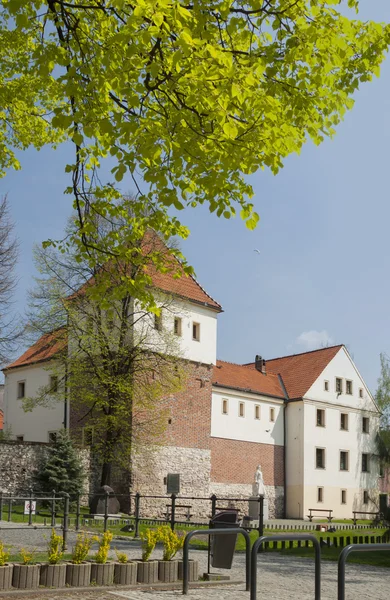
168	570
6	577
26	577
125	573
102	574
147	572
53	575
78	575
193	570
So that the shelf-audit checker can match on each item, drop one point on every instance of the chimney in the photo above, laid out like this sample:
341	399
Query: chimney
260	364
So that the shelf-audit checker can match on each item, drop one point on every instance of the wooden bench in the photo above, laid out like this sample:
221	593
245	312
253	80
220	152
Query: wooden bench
323	510
184	512
377	515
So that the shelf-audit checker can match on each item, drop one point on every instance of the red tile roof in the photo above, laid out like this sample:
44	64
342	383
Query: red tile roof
240	377
299	371
45	348
172	278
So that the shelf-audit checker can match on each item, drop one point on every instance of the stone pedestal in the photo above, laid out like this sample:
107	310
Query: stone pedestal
254	506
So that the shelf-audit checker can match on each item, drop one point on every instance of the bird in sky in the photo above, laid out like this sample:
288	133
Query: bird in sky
256	250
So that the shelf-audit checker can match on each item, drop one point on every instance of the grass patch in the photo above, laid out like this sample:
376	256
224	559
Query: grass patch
380	558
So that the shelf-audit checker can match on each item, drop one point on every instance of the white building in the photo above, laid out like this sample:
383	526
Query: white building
331	425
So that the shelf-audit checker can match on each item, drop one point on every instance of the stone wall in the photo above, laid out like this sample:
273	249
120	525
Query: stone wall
20	461
152	466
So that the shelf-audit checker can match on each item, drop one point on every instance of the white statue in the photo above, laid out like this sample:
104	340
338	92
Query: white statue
258	486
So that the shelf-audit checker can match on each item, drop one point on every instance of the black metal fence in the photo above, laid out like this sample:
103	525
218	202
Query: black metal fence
52	510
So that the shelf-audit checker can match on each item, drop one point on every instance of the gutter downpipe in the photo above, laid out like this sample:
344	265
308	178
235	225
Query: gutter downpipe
284	446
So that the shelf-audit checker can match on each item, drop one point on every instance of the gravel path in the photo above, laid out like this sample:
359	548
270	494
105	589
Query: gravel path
279	577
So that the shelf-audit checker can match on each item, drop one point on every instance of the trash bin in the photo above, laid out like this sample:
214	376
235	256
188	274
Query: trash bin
222	546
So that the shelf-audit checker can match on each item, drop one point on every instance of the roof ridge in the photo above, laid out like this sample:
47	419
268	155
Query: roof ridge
301	353
228	362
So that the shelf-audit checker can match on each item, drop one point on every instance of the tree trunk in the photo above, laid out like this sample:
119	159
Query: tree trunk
106	474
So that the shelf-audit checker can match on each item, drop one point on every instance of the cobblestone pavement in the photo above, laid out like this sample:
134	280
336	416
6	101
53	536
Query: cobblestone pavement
279	578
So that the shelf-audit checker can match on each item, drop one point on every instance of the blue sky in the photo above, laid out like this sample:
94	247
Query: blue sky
322	272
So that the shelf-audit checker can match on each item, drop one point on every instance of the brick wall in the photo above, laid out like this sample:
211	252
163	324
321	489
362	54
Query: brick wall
189	418
234	461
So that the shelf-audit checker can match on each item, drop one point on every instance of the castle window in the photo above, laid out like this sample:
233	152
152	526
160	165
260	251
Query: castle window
196	332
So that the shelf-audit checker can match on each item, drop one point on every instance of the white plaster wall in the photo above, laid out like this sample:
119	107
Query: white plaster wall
332	500
204	350
35	425
342	366
333	440
294	459
247	428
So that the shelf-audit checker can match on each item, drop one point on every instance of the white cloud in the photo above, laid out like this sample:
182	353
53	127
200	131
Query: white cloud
313	339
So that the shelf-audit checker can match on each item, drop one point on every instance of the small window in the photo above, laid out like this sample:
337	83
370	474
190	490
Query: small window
339	385
225	406
87	436
272	415
241	409
52	435
196	332
360	392
20	438
365	497
320	417
381	469
320	458
365	463
326	386
158	322
177	326
320	494
21	389
257	411
366	425
344	460
344	421
348	387
343	496
53	384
